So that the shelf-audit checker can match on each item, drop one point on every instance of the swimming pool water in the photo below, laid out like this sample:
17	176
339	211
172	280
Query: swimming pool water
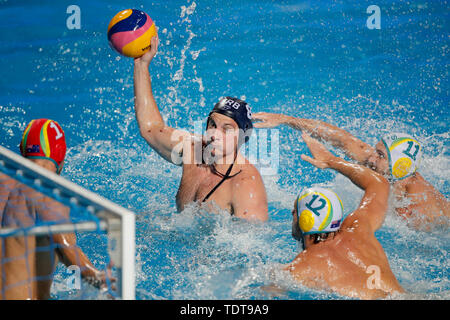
312	59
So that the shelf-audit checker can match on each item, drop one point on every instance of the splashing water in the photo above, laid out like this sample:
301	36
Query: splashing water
309	59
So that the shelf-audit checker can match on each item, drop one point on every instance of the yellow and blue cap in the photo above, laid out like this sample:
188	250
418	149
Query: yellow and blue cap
319	210
404	153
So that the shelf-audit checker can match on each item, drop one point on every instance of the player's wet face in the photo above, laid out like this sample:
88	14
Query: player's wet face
222	135
378	161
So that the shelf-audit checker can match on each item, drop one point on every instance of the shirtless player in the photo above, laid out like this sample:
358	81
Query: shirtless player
220	175
342	255
396	156
27	263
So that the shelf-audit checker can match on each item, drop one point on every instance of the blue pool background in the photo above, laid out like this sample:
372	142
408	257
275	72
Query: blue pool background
312	59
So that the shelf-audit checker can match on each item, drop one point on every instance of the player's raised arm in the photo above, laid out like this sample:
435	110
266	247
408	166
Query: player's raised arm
339	138
373	205
165	140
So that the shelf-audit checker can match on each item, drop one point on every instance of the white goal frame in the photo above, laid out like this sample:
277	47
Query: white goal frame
118	222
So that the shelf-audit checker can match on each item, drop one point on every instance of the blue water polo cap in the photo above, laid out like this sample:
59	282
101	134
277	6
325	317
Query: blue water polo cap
239	111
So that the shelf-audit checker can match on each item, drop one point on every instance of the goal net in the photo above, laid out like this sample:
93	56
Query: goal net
59	240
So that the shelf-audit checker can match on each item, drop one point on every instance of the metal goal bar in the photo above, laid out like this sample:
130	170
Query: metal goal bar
116	220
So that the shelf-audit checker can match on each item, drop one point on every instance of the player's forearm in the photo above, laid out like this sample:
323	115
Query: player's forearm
71	255
337	137
147	113
373	205
360	175
78	258
319	129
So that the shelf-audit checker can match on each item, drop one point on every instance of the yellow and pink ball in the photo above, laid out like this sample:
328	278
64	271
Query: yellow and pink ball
130	32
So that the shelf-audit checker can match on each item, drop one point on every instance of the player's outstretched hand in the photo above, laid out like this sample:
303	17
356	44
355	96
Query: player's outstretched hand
320	154
149	55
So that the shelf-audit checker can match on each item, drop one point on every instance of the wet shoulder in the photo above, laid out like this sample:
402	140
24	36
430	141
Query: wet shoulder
248	171
355	225
248	180
311	264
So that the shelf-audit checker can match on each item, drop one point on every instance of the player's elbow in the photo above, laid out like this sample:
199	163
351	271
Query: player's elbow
382	183
145	131
150	130
376	181
379	191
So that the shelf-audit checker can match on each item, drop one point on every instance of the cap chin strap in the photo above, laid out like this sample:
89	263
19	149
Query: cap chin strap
224	177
